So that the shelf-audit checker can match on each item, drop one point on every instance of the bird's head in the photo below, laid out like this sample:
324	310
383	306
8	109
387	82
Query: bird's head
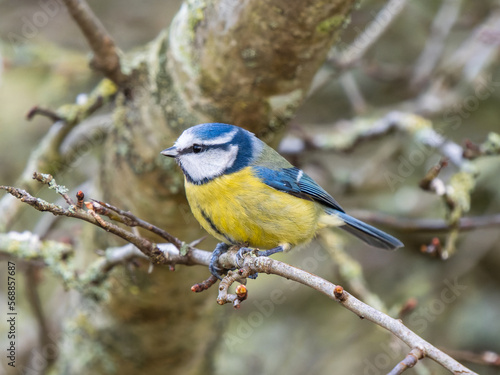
207	151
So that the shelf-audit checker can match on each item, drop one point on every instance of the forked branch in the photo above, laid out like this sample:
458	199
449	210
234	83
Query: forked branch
106	58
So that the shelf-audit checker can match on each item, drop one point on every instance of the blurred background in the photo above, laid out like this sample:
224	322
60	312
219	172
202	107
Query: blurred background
285	328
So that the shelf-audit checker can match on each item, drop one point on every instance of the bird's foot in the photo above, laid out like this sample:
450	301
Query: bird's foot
221	248
243	251
213	266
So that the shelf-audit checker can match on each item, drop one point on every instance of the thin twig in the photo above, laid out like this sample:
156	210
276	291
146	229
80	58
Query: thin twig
350	269
476	53
106	58
486	358
101	208
49	180
349	134
241	292
345	59
428	182
146	246
490	147
204	285
410	360
426	225
83	138
133	221
468	65
99	270
441	26
29	247
37	110
369	36
54	154
353	92
34	301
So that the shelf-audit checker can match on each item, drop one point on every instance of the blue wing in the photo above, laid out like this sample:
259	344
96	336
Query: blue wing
295	182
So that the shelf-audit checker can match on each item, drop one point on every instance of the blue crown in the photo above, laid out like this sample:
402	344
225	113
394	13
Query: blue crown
213	130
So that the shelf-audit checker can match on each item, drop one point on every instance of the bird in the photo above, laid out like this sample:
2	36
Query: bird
245	193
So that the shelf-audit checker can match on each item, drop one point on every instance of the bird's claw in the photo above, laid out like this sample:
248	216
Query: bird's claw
240	255
221	248
214	270
242	252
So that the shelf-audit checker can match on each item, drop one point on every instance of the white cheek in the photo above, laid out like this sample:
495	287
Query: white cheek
209	164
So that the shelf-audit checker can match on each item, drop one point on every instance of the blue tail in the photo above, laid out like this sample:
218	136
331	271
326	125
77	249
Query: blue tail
368	234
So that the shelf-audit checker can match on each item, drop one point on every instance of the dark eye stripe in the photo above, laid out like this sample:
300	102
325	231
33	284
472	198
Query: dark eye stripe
194	149
197	148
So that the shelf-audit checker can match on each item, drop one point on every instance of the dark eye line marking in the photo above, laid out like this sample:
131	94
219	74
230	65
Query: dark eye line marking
191	149
203	148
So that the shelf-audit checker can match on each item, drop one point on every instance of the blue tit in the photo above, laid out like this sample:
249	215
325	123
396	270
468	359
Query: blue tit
244	193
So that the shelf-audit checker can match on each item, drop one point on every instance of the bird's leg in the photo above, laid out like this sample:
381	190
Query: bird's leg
266	253
214	268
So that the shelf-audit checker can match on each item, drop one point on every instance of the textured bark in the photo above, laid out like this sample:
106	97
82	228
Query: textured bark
251	62
247	62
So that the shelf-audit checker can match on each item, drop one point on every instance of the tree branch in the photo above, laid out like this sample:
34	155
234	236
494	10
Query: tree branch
373	31
32	292
441	26
344	59
57	151
37	110
147	247
131	220
349	134
426	225
105	57
486	358
252	265
455	193
410	360
349	269
169	254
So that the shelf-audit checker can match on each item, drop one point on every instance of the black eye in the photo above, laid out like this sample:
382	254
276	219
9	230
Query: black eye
197	148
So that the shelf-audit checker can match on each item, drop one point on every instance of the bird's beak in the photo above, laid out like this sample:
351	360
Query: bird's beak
170	152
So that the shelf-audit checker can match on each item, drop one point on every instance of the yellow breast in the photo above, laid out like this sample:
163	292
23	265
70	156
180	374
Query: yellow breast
240	209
